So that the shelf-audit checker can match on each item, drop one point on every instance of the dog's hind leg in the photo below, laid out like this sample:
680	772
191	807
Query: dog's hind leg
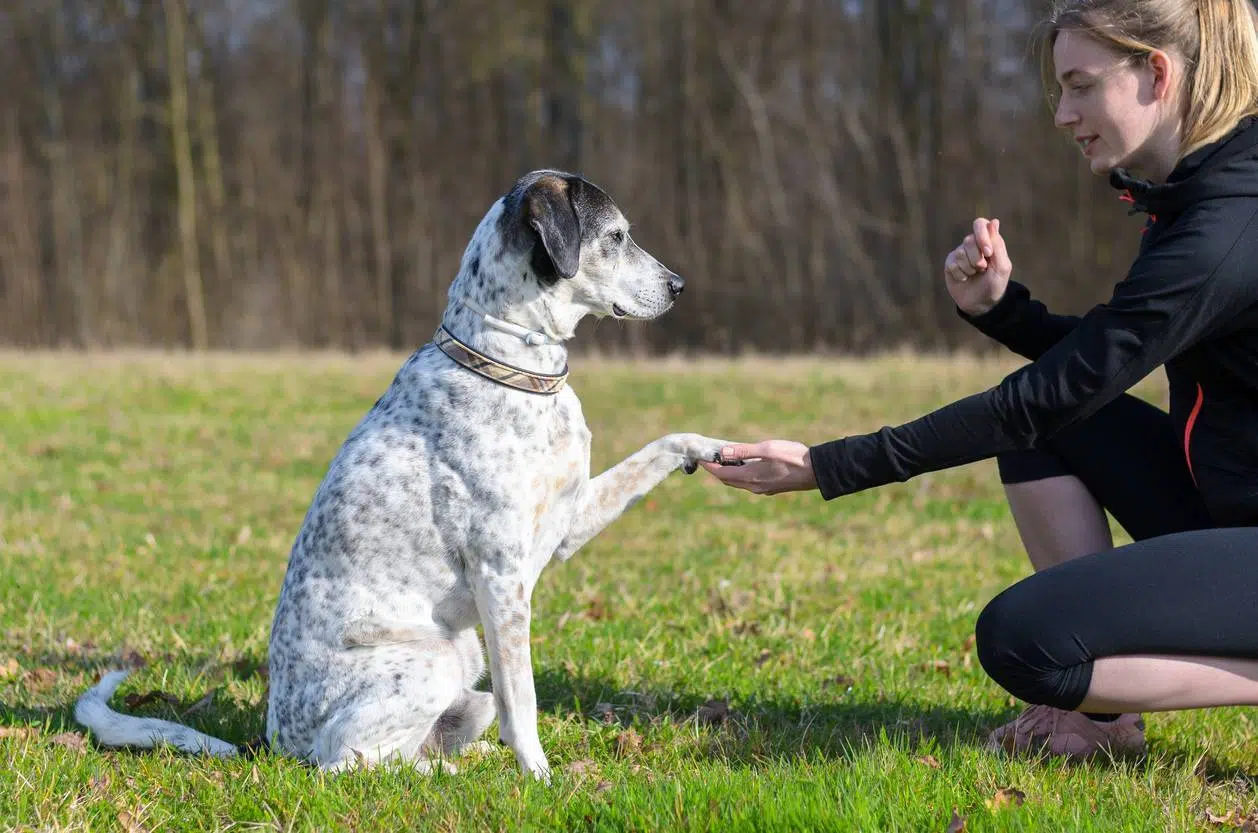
467	719
460	725
373	630
400	696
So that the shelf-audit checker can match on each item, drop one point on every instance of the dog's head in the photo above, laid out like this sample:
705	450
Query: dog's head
569	236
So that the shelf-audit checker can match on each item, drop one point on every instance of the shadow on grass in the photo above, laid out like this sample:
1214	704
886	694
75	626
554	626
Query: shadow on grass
1210	771
750	733
766	729
770	729
204	707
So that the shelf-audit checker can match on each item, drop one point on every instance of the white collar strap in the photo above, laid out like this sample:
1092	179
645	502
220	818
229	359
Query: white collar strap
533	338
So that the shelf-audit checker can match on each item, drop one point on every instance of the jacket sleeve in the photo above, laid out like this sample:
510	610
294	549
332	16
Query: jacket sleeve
1168	300
1021	323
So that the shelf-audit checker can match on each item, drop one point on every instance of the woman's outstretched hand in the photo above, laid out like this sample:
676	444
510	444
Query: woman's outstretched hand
766	468
977	272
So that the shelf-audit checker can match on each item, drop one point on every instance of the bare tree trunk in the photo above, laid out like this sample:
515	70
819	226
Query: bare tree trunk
19	258
212	165
566	50
377	189
67	222
120	253
189	257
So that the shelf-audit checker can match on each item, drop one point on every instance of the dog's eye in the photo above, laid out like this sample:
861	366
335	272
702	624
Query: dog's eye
617	237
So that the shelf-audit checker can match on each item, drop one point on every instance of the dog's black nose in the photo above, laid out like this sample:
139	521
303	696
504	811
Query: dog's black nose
675	285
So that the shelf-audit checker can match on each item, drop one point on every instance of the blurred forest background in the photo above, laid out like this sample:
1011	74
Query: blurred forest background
252	174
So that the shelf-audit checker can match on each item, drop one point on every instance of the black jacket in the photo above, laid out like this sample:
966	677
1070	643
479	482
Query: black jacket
1189	301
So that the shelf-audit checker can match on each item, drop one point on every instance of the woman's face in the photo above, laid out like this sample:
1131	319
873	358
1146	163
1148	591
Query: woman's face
1116	110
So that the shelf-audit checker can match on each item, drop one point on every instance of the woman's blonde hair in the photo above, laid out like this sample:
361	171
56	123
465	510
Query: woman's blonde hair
1217	40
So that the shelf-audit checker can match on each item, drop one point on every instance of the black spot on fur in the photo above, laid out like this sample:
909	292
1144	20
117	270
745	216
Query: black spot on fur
475	266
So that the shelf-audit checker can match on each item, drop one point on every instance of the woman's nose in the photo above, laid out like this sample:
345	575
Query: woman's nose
1064	116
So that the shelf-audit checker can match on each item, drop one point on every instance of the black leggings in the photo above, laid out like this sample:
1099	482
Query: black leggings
1183	587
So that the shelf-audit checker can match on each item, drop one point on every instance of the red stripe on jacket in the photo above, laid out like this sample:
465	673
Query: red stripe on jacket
1192	419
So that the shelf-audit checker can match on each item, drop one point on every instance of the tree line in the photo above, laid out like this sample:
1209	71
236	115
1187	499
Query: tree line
249	174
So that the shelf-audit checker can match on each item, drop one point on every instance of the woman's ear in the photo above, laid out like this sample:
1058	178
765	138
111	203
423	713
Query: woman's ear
1164	74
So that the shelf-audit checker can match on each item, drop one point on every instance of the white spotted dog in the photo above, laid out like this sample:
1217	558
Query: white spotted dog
467	477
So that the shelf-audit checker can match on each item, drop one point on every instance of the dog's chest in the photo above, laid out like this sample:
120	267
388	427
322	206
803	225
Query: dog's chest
505	471
448	475
538	470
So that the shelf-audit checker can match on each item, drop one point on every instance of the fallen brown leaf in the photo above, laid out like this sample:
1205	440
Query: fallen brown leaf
134	701
603	786
130	822
940	666
581	767
596	610
39	679
17	732
1234	819
714	712
8	668
1005	797
929	760
1215	818
201	704
957	825
71	740
628	742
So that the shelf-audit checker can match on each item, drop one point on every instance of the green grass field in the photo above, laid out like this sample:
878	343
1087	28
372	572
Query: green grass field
714	660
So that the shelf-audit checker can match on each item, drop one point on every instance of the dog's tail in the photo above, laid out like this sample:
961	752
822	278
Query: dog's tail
111	728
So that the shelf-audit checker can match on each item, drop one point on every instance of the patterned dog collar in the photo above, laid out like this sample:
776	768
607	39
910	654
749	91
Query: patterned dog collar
505	374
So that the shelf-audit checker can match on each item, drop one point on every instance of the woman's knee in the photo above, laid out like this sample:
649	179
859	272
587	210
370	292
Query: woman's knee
1023	649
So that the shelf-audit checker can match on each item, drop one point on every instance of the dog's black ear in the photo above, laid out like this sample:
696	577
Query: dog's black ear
550	207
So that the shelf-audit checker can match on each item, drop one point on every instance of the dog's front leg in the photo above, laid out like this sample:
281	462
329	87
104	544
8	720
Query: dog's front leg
621	486
503	600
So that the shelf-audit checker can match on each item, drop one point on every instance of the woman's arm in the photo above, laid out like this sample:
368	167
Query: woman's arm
1021	323
1180	290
